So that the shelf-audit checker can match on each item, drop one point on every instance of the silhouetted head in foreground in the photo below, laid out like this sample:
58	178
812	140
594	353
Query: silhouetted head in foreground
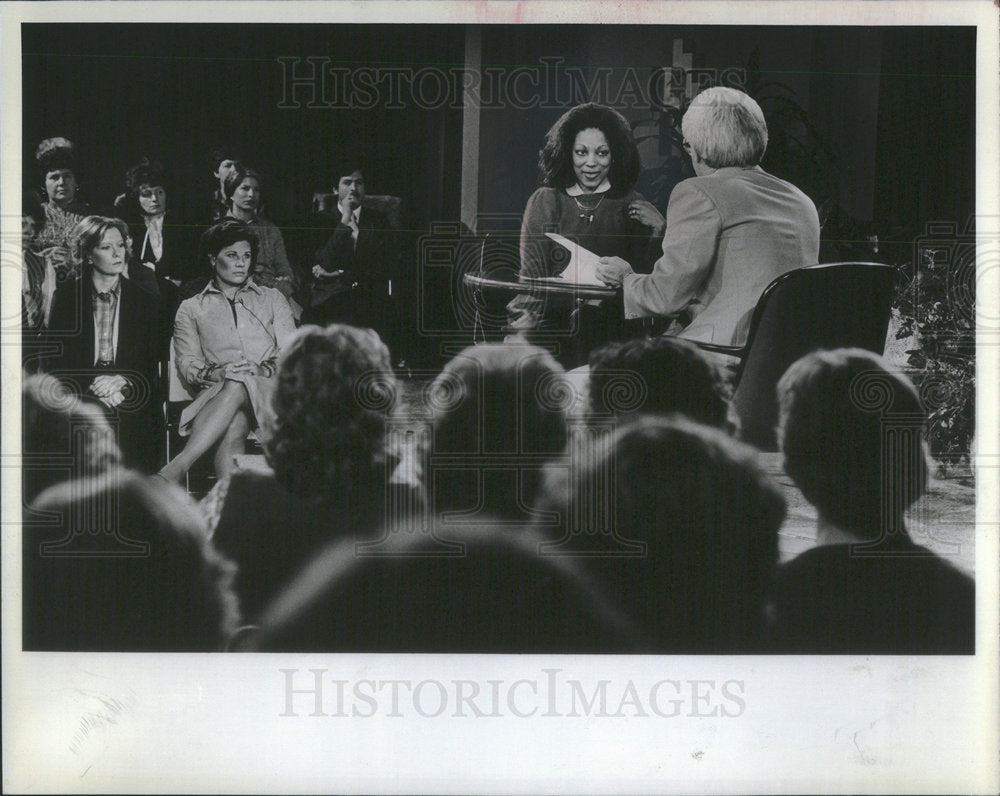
132	571
851	431
679	524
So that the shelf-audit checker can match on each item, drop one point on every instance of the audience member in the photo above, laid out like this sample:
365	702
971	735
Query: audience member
226	343
103	330
162	243
141	577
489	592
224	161
63	438
498	417
326	444
353	270
271	268
57	166
38	276
851	433
164	249
679	524
658	375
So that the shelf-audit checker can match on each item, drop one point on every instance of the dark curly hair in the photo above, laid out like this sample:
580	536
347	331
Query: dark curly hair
660	375
555	159
221	153
55	154
223	234
333	392
145	172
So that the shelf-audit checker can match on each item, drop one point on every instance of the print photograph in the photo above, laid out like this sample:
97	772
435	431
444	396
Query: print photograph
608	406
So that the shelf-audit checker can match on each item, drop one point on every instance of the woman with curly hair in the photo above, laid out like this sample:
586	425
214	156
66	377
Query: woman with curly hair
161	243
57	171
326	445
587	169
164	250
226	342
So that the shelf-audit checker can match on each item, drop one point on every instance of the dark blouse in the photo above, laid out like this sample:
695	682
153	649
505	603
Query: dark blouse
598	222
834	599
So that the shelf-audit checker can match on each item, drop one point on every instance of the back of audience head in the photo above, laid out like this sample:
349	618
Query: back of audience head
498	404
172	593
659	375
60	429
470	588
835	410
333	392
687	536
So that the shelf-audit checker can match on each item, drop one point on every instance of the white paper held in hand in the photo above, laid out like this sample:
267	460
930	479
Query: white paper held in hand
582	268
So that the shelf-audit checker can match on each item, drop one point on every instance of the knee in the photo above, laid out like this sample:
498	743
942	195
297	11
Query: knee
234	391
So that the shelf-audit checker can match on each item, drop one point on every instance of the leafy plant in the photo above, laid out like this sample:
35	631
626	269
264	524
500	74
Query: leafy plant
935	305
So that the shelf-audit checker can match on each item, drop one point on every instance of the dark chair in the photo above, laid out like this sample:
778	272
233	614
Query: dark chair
838	305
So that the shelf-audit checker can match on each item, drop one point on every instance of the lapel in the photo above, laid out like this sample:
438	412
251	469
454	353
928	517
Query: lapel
126	323
364	228
86	339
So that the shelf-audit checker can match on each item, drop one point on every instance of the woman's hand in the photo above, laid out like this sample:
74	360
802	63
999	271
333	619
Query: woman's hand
646	213
241	368
109	389
108	385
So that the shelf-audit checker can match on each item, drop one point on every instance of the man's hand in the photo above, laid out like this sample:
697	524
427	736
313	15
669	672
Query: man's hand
108	385
321	273
613	270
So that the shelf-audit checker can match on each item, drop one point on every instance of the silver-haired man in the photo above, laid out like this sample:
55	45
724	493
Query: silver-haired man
731	229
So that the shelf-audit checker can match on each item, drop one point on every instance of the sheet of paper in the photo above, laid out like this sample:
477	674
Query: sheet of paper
582	268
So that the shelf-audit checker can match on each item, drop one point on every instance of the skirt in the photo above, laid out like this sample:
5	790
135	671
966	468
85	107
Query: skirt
258	389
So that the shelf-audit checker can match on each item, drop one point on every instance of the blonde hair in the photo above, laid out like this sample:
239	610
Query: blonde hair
87	234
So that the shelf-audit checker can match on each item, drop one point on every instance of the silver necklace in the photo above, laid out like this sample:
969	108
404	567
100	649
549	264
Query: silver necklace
586	211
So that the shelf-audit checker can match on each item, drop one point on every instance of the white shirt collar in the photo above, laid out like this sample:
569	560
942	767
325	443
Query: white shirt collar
576	190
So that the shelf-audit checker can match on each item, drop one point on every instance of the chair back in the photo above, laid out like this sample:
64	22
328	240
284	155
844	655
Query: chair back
177	392
391	206
837	305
